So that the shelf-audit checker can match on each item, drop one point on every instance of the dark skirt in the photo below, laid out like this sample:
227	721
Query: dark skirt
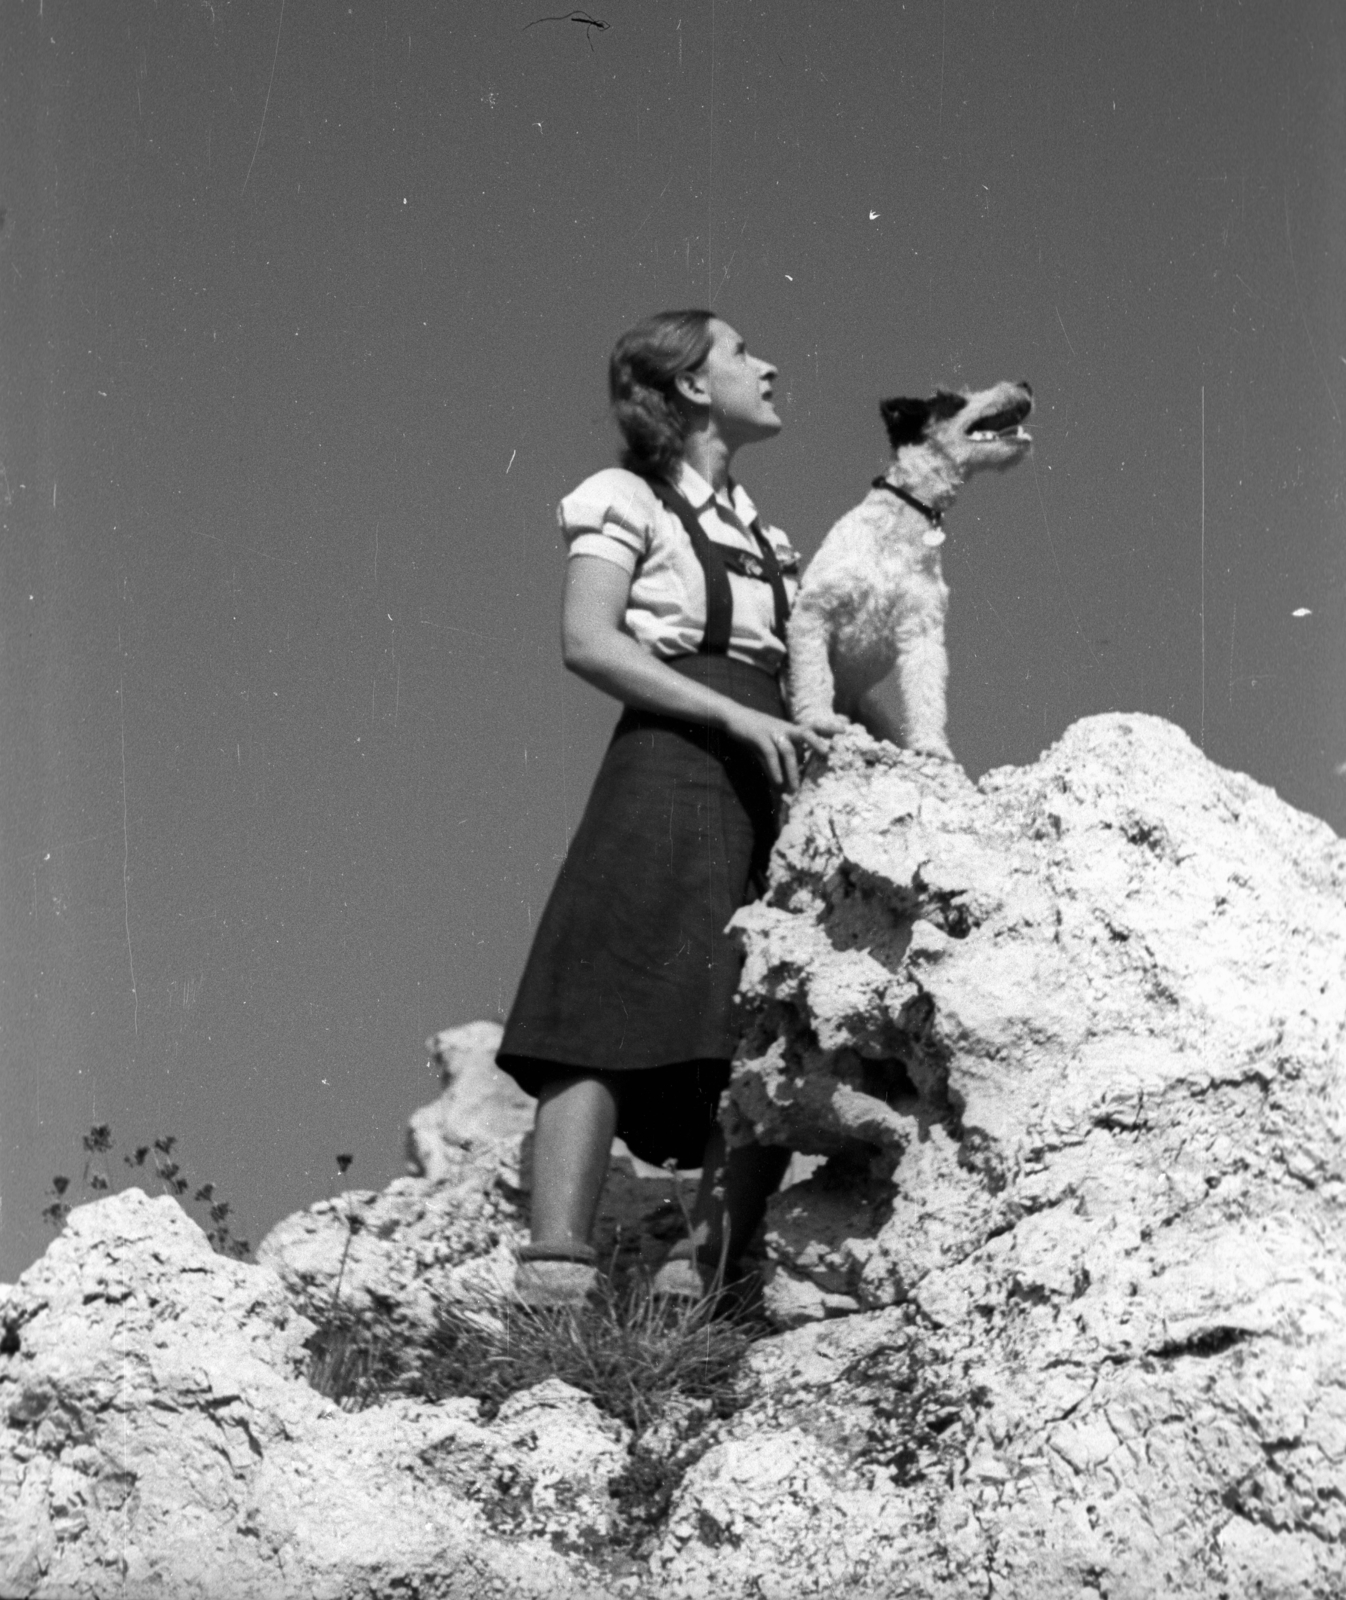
632	975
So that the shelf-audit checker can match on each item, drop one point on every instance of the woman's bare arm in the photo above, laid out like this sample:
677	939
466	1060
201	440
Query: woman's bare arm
596	648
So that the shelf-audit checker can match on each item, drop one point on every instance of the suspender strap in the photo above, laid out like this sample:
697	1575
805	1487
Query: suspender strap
714	558
771	571
719	596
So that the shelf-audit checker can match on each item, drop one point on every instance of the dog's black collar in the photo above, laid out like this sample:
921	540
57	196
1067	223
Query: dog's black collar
930	513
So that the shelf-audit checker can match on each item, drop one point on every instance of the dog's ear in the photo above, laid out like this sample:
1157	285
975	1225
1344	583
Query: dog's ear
905	420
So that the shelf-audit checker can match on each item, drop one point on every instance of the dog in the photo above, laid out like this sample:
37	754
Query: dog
874	595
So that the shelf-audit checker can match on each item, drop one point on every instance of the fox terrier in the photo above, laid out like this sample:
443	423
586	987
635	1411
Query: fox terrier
874	595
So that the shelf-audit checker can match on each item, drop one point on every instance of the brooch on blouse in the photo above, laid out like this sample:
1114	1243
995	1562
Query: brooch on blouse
746	565
742	563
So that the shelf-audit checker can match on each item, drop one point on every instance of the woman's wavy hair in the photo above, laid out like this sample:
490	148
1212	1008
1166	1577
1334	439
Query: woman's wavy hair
645	363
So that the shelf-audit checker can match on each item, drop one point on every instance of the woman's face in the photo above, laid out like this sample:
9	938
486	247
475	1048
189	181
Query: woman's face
736	386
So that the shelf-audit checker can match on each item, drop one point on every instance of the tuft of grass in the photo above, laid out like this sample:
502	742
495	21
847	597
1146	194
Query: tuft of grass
664	1369
358	1358
632	1353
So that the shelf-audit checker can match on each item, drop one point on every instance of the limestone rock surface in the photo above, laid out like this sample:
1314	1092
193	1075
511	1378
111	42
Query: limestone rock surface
478	1103
160	1440
1075	1038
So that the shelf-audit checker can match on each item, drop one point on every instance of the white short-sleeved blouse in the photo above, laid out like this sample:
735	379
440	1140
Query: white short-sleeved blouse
617	516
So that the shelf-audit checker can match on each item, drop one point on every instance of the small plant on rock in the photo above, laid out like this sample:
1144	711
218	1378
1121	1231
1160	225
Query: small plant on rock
97	1179
353	1225
356	1356
918	1423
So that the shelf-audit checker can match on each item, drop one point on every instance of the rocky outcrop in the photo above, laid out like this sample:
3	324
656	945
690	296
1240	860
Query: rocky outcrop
1076	1037
161	1440
478	1104
1063	1310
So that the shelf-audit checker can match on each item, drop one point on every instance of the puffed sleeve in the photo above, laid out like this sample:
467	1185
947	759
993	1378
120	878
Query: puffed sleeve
610	515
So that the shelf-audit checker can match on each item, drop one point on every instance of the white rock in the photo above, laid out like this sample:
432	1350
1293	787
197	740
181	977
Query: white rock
1091	1013
161	1440
478	1103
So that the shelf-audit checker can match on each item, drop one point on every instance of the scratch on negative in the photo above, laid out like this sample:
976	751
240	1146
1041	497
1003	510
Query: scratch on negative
582	17
267	102
126	839
652	209
1069	346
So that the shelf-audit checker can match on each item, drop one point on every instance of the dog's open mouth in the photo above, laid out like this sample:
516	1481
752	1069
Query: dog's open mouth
1003	424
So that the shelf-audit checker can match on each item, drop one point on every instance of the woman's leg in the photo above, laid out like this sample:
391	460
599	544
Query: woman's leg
572	1138
735	1187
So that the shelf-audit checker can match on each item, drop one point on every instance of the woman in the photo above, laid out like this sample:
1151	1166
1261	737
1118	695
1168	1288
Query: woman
675	604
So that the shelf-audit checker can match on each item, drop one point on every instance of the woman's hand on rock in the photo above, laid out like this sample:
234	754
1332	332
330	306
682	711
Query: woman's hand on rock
775	742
